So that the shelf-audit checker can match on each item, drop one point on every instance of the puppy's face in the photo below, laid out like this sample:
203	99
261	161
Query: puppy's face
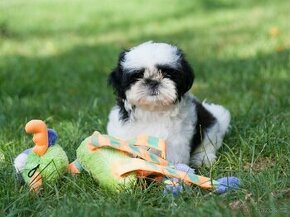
152	76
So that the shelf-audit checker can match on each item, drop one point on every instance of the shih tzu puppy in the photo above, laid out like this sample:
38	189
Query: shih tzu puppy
152	83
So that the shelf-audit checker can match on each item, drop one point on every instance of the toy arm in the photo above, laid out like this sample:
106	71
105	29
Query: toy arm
40	136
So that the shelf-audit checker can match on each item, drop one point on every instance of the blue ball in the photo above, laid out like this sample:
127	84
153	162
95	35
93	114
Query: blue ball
227	183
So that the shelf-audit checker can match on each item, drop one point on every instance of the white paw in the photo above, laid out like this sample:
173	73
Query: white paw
203	158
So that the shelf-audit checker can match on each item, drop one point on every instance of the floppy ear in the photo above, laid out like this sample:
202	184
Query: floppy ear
115	80
188	74
116	77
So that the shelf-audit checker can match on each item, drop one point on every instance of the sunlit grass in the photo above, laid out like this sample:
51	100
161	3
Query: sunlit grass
54	60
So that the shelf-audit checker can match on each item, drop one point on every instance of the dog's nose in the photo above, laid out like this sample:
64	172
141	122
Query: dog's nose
152	83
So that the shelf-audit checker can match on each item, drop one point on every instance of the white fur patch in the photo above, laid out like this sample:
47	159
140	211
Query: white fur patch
148	54
175	125
139	94
222	115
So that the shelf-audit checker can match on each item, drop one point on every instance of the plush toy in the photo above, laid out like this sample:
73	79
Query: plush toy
114	163
117	164
45	162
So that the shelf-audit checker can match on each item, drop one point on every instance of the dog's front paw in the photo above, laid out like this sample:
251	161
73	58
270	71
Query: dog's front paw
203	158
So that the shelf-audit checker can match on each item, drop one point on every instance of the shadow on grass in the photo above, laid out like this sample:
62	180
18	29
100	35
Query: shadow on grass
63	85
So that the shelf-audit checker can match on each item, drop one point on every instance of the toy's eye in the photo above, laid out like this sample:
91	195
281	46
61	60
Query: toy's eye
33	171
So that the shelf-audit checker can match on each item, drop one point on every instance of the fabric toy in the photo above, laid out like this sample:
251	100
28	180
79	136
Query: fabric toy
117	164
175	187
45	162
114	163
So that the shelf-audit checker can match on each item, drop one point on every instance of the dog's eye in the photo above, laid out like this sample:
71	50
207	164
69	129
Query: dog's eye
132	76
136	74
168	72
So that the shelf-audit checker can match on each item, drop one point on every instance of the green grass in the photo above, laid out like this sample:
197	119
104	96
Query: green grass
54	60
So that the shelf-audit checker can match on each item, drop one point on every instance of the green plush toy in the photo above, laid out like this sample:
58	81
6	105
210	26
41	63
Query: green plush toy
45	162
102	166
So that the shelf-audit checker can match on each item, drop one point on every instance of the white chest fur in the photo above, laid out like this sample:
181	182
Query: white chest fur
176	126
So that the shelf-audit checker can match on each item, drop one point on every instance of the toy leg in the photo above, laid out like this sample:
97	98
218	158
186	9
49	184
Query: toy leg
75	167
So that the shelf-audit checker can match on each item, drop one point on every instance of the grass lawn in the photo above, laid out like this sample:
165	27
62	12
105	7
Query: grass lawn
54	60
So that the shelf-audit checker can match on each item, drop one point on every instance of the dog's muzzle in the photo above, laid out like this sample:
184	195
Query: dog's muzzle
153	86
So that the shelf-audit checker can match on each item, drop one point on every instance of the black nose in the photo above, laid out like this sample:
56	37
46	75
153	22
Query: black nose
152	83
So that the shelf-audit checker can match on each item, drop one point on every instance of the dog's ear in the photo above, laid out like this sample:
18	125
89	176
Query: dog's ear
115	79
188	74
116	76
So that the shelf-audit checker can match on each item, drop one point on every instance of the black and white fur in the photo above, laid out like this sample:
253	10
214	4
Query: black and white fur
152	83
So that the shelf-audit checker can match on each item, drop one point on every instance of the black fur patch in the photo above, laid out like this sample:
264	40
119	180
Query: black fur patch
121	81
124	114
187	75
182	76
114	80
116	77
204	121
129	78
